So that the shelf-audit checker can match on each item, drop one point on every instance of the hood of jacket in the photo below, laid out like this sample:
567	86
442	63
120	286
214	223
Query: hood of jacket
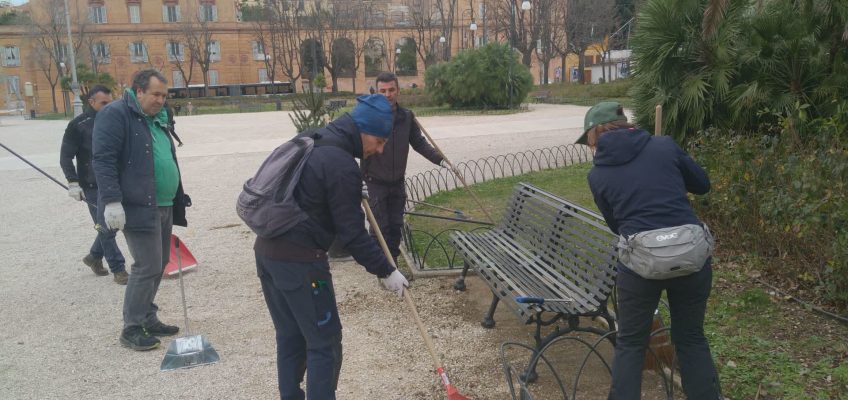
341	132
620	146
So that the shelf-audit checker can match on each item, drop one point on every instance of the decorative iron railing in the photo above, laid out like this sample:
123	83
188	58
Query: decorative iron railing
425	184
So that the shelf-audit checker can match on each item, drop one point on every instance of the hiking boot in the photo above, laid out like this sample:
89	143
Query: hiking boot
138	339
121	277
95	265
160	329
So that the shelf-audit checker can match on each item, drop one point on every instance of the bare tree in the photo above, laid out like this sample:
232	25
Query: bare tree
193	34
285	27
520	28
48	35
359	36
333	30
587	24
551	31
430	21
266	34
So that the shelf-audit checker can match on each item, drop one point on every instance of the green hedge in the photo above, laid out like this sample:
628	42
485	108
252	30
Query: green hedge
783	198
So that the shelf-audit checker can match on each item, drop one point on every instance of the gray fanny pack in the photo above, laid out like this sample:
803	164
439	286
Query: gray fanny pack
667	252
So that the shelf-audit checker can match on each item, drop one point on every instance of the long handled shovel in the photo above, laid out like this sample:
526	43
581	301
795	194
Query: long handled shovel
452	393
190	350
455	171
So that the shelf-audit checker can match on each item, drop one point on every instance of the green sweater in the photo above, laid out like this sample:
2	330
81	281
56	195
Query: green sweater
165	170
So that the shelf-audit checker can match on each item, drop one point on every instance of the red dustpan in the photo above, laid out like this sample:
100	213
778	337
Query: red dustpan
188	260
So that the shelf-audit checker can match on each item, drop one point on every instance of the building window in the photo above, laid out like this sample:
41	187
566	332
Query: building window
11	56
213	77
13	85
208	12
174	50
61	51
177	79
138	52
258	50
214	51
97	14
100	52
263	75
171	13
135	13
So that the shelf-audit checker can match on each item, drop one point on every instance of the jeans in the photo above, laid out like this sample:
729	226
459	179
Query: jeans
104	245
387	202
302	303
687	297
151	251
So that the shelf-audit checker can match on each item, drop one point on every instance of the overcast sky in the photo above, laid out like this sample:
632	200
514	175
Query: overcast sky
17	2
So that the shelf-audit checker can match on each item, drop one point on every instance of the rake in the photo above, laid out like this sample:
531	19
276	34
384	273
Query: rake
452	393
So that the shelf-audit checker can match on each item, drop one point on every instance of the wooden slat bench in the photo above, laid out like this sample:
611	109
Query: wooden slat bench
545	247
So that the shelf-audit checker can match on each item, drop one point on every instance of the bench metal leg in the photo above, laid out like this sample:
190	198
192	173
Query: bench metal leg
489	319
460	282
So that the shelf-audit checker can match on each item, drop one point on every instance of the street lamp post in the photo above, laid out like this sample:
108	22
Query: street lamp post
442	41
525	5
74	83
397	56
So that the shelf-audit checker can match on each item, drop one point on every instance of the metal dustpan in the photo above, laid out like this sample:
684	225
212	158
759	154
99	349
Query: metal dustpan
190	350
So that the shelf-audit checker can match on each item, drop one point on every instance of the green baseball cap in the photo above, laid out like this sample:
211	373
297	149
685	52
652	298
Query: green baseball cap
601	113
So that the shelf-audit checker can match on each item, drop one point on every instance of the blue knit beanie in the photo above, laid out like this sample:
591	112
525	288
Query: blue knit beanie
373	115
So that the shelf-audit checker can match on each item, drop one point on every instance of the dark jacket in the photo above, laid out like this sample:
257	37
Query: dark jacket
123	164
76	143
640	181
390	167
330	192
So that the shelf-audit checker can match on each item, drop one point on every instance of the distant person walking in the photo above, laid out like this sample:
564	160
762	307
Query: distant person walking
82	184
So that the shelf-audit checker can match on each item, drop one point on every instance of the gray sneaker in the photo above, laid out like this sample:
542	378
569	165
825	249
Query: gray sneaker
95	265
121	277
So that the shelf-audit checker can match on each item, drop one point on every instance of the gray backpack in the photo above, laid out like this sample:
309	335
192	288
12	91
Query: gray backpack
267	204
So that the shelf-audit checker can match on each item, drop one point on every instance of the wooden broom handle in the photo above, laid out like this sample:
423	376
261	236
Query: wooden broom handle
455	172
437	363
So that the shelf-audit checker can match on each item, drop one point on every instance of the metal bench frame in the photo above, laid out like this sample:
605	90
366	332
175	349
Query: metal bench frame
545	247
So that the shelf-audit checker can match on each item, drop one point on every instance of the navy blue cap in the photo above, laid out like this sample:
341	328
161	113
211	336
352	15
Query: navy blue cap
373	115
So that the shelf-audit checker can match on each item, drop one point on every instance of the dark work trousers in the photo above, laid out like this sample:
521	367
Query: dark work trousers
302	303
104	245
150	251
637	300
387	201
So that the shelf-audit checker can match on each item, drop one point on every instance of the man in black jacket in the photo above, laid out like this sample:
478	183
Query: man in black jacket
384	173
141	193
293	267
76	144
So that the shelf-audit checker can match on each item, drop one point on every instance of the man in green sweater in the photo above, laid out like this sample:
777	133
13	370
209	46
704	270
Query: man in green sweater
141	193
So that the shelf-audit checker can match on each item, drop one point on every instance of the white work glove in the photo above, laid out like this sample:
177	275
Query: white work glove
113	215
395	282
443	164
364	191
75	191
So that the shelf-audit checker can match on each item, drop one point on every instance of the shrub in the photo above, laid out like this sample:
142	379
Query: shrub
489	77
784	199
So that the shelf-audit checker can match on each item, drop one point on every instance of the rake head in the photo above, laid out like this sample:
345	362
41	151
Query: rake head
453	394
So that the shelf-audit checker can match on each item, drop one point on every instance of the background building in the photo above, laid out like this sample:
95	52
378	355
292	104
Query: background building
210	43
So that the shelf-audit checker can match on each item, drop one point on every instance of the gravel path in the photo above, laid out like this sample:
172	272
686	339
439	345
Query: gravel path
60	324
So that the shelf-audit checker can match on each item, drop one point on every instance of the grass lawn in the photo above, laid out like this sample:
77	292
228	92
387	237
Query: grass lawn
765	346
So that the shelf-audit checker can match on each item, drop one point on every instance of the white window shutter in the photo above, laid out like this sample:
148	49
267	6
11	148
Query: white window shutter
182	52
131	52
144	52
214	12
164	13
177	7
104	14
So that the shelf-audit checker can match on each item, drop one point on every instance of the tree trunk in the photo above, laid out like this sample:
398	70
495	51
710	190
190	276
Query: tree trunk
547	69
526	58
335	80
580	65
53	95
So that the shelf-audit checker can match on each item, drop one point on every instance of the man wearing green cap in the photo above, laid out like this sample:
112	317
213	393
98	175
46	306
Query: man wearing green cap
293	267
640	184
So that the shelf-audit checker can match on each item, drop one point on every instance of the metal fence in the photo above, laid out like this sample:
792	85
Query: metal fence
425	184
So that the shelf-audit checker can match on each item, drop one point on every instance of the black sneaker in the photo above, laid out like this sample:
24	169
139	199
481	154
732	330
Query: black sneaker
160	329
95	265
137	338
